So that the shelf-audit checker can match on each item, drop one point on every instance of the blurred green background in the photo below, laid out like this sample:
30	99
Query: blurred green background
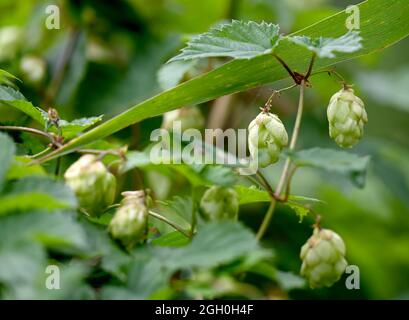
115	51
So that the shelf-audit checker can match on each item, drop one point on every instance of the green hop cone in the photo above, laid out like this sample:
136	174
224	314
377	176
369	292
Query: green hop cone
92	183
346	116
267	138
130	221
323	258
220	203
189	117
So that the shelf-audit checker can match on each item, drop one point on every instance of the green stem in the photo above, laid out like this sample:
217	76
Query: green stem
285	173
171	223
266	221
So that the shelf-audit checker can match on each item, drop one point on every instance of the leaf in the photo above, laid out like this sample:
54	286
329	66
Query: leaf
5	78
21	167
15	99
251	194
216	243
7	150
238	39
37	193
56	230
300	210
171	239
242	74
348	164
73	128
325	47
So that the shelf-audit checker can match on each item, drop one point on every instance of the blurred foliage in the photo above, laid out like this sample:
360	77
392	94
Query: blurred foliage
106	57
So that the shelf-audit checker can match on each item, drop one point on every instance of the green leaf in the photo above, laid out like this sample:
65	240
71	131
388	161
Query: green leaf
251	194
56	230
325	47
238	39
299	209
7	150
216	243
5	78
37	193
254	194
71	129
13	98
348	164
21	167
171	239
242	74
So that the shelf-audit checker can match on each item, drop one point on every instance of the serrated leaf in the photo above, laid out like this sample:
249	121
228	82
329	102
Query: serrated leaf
325	47
238	39
7	150
300	210
216	243
348	164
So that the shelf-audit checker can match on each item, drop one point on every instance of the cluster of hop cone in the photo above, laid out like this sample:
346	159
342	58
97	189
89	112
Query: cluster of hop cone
323	255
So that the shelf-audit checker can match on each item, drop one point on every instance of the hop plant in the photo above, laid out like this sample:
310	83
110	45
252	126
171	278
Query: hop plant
346	116
323	258
92	183
220	203
130	221
267	137
189	117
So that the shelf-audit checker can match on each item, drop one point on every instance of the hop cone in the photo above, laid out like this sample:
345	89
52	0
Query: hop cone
189	117
322	257
346	116
220	203
130	220
267	137
92	183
